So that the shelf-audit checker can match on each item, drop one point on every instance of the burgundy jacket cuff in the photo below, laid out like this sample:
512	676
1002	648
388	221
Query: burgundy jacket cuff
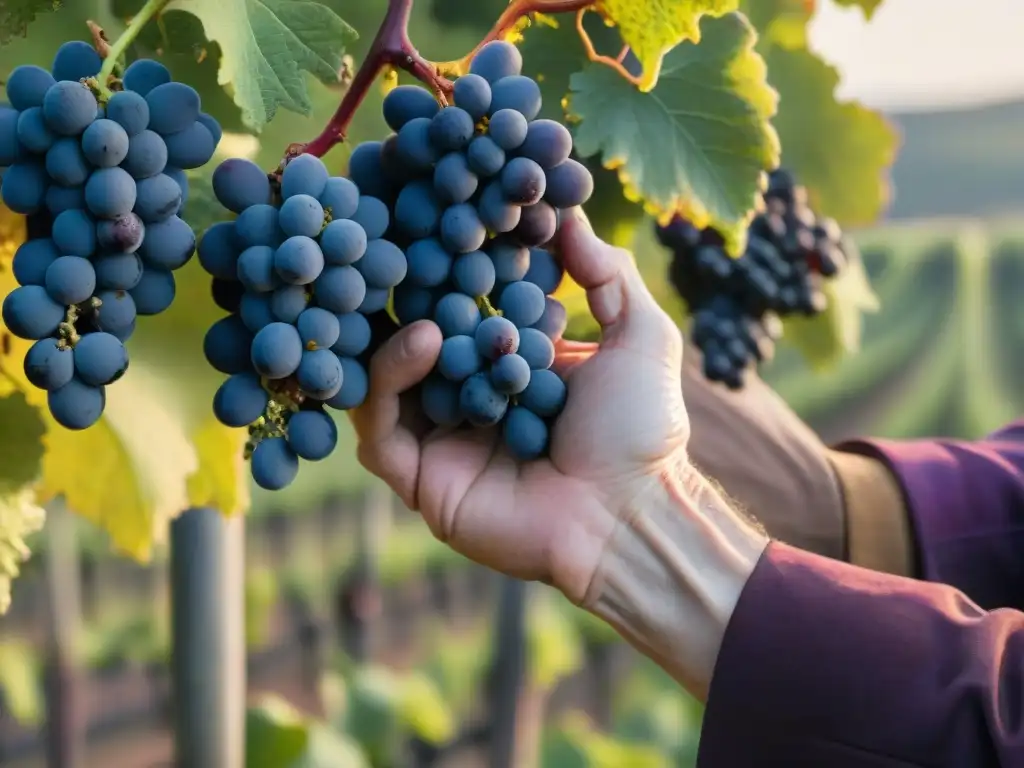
827	664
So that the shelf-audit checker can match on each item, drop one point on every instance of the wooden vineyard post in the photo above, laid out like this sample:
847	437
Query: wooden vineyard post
65	714
508	674
208	639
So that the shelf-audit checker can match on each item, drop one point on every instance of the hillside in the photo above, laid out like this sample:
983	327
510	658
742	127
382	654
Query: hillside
965	162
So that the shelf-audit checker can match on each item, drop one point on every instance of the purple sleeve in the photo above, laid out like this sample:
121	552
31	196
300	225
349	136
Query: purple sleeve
827	664
966	503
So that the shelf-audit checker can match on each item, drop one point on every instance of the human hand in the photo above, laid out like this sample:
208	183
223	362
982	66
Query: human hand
623	428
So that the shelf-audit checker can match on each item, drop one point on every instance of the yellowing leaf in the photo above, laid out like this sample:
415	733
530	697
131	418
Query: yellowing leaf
21	449
20	516
222	479
652	28
423	710
19	679
555	645
698	143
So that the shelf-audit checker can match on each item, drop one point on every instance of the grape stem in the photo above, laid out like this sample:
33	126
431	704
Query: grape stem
116	49
392	48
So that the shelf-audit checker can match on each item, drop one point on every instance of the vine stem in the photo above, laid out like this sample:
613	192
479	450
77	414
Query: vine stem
126	38
391	47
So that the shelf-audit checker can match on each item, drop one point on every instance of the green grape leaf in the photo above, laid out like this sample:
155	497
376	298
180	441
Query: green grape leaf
16	15
841	151
699	142
867	6
779	22
423	710
268	46
330	749
652	28
20	458
276	734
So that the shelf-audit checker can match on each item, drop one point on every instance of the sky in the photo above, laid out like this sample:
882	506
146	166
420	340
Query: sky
926	53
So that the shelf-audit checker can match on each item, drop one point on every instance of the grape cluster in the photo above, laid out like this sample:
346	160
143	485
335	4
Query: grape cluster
474	191
737	303
102	182
297	271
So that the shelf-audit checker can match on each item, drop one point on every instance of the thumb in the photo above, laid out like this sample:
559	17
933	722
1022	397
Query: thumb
618	298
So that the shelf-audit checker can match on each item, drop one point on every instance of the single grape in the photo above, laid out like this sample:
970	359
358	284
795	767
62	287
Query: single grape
481	404
32	259
159	198
304	175
535	348
508	129
254	309
258	225
554	320
168	244
49	365
372	215
496	212
511	261
473	94
70	280
354	387
312	435
100	359
27	86
143	75
537	224
226	345
75	60
414	146
365	169
473	273
59	199
456	314
354	335
181	179
240	400
429	264
155	292
77	405
407	102
276	350
318	328
218	254
523	181
496	336
210	123
461	229
116	313
451	129
256	269
545	272
172	107
287	302
375	300
126	234
340	289
496	60
343	242
485	157
190	148
320	374
66	164
129	110
146	155
240	183
340	197
274	465
548	143
74	233
525	434
32	131
299	260
517	92
522	303
454	182
459	358
569	184
383	265
23	187
440	401
69	108
104	144
110	192
418	210
412	303
545	394
510	374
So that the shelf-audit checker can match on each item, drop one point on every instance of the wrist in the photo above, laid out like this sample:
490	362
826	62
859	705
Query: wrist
672	571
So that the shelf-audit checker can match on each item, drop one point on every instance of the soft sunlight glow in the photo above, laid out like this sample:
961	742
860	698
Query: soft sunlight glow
925	53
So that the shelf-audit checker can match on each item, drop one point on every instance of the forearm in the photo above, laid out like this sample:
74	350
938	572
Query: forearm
672	573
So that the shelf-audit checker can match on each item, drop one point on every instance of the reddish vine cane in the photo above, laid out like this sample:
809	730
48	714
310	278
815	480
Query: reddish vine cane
392	48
